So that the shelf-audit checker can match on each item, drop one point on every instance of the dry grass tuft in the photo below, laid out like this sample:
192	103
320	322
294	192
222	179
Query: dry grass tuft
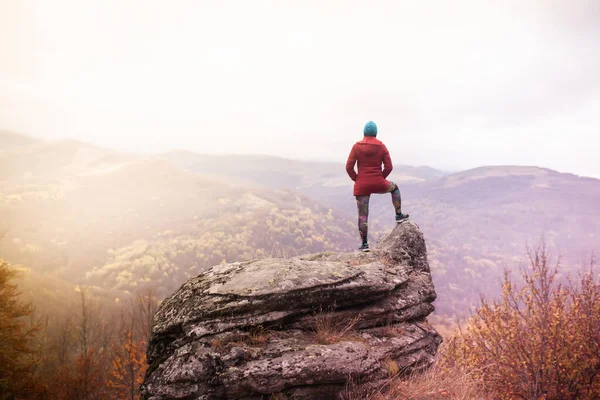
330	328
278	396
259	336
387	261
391	329
356	261
391	367
434	384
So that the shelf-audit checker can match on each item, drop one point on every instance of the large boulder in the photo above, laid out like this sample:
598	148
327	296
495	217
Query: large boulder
307	327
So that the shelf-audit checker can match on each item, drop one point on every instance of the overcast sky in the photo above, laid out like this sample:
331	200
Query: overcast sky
451	84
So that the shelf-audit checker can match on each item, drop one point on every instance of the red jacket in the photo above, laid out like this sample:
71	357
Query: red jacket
370	154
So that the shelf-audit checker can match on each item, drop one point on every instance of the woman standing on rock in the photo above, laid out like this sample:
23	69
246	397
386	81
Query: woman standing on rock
371	153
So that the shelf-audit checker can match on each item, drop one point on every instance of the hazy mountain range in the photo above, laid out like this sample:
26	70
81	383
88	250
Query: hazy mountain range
72	213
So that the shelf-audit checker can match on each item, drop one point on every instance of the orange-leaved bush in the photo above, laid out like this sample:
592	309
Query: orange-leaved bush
128	366
540	339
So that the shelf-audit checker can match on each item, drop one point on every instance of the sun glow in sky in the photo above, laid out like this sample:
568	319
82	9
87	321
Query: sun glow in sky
451	84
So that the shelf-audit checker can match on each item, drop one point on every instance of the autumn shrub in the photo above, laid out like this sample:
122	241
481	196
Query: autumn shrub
540	339
128	365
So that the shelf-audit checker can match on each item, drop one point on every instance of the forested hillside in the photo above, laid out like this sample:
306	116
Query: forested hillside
122	223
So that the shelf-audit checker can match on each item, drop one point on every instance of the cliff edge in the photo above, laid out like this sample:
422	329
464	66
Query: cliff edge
307	327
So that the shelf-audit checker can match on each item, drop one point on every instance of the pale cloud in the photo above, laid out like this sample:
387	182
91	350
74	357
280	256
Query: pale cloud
452	84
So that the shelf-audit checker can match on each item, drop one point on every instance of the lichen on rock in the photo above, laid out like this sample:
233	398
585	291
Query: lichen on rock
304	326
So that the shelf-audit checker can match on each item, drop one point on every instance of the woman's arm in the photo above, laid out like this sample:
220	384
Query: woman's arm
350	164
387	162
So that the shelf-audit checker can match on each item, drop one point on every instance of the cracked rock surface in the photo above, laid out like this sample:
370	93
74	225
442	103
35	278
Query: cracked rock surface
304	327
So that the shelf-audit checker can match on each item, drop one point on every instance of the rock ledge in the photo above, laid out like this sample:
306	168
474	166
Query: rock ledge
304	327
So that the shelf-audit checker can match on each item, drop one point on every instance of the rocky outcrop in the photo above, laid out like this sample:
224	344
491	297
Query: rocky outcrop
307	327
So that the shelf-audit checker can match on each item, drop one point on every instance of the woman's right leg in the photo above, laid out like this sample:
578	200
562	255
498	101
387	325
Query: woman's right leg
362	202
397	201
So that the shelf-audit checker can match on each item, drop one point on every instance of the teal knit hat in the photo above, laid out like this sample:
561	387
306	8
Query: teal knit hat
370	129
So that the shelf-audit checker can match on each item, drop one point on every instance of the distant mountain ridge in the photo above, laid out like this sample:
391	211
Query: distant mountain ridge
120	221
281	172
10	140
326	182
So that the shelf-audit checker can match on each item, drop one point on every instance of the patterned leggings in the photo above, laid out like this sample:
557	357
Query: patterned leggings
363	209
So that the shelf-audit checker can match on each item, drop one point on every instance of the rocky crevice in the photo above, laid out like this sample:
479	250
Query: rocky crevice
303	326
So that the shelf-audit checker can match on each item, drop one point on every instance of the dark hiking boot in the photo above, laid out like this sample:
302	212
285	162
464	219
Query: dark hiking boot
364	247
401	217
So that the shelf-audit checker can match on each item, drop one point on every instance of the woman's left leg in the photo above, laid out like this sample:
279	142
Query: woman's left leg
362	203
